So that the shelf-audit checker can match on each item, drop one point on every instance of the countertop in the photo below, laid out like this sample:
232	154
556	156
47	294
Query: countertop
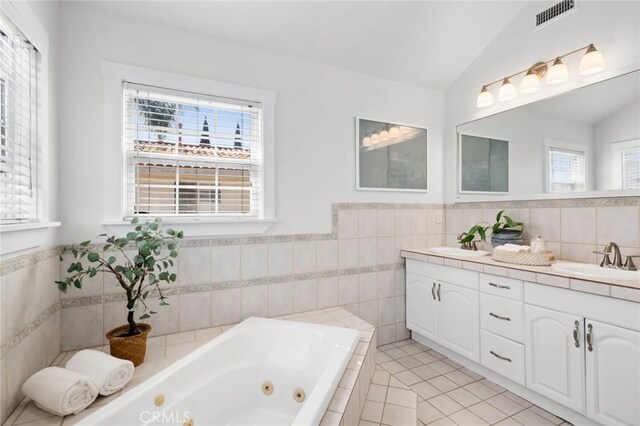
622	289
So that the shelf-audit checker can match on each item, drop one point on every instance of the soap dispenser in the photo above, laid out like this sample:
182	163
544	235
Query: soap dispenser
538	245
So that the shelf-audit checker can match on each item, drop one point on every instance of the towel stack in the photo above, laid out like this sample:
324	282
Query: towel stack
514	248
64	391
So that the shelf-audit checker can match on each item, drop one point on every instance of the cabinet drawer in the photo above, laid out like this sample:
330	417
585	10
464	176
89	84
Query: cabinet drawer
461	277
501	286
502	356
502	316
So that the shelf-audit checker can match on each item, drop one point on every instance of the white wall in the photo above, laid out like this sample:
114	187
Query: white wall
526	131
614	27
621	126
316	105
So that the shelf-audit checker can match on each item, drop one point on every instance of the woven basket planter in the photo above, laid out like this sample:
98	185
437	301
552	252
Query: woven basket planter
537	259
132	348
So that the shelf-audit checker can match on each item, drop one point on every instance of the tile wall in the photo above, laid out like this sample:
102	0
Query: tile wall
29	321
573	228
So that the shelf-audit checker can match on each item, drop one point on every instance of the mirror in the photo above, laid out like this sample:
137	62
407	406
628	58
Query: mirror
390	157
584	140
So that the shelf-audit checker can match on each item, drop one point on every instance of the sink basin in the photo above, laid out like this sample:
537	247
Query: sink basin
455	251
595	271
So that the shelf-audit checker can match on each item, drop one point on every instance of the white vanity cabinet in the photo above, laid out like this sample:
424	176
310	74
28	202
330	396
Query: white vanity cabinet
555	356
458	327
422	305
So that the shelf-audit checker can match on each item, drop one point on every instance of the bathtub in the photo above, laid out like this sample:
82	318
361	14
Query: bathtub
250	375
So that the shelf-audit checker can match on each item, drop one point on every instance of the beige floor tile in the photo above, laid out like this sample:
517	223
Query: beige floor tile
402	397
445	404
463	397
425	372
425	390
453	363
372	411
437	354
409	361
506	405
545	414
408	377
487	412
386	347
471	374
396	353
427	413
441	367
496	387
459	378
443	384
411	350
393	366
402	343
445	421
395	383
517	399
530	418
509	421
425	357
394	415
377	393
467	418
381	377
480	390
382	357
366	423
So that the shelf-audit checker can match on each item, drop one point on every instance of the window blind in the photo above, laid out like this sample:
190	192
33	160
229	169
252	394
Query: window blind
190	154
566	170
18	126
631	168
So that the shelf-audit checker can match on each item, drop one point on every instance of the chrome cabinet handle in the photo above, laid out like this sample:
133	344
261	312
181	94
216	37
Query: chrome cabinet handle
504	358
433	291
590	338
576	329
506	287
439	293
499	317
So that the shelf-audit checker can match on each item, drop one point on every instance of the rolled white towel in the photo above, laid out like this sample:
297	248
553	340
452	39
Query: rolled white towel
110	373
59	391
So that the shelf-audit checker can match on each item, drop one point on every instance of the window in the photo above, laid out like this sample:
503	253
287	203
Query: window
630	160
18	126
566	170
190	154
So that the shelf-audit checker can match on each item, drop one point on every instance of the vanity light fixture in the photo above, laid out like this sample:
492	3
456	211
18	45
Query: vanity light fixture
389	136
592	62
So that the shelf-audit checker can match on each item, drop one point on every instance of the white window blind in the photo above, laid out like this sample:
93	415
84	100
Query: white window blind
566	170
190	154
630	159
18	126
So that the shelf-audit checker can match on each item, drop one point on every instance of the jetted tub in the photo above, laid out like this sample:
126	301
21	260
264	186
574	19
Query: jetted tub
250	375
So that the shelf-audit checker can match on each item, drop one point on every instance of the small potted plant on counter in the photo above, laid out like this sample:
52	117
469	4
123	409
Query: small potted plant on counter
504	231
140	275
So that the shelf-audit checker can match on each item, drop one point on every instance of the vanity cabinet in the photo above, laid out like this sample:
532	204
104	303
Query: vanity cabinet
422	305
458	327
613	373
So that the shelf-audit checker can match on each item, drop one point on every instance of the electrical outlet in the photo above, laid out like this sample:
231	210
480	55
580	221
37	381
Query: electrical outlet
439	216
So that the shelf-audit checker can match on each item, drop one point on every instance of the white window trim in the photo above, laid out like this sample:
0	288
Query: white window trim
114	75
569	146
22	236
616	167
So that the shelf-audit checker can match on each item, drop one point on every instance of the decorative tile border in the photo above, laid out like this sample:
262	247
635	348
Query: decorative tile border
17	338
23	261
631	201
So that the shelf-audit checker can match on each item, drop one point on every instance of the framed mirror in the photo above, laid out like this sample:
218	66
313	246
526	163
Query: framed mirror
484	164
390	156
582	143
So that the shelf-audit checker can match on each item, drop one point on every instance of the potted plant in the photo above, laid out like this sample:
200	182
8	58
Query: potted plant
140	276
504	231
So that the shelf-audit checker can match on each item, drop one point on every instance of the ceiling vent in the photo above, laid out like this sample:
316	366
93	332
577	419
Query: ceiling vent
554	11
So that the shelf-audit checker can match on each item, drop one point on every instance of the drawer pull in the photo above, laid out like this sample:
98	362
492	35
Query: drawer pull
590	338
576	330
439	293
504	358
499	317
506	287
433	290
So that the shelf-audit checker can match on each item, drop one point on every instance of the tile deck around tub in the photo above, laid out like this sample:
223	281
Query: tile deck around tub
162	351
414	385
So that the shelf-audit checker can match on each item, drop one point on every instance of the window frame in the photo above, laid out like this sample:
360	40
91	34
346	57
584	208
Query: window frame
617	149
25	235
115	75
550	144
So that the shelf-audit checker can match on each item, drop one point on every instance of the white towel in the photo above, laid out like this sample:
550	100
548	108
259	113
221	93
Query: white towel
59	391
513	248
110	373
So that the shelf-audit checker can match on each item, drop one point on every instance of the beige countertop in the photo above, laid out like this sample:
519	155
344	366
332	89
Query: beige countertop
622	289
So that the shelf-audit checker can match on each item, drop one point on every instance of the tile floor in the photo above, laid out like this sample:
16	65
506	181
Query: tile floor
414	385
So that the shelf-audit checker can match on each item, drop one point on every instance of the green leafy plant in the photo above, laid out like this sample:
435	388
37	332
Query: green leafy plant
139	275
503	223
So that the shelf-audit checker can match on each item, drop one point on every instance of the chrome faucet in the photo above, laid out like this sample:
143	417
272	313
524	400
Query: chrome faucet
471	245
612	248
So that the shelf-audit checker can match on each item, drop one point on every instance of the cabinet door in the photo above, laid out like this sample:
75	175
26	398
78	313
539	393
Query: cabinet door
422	308
458	320
554	364
613	374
